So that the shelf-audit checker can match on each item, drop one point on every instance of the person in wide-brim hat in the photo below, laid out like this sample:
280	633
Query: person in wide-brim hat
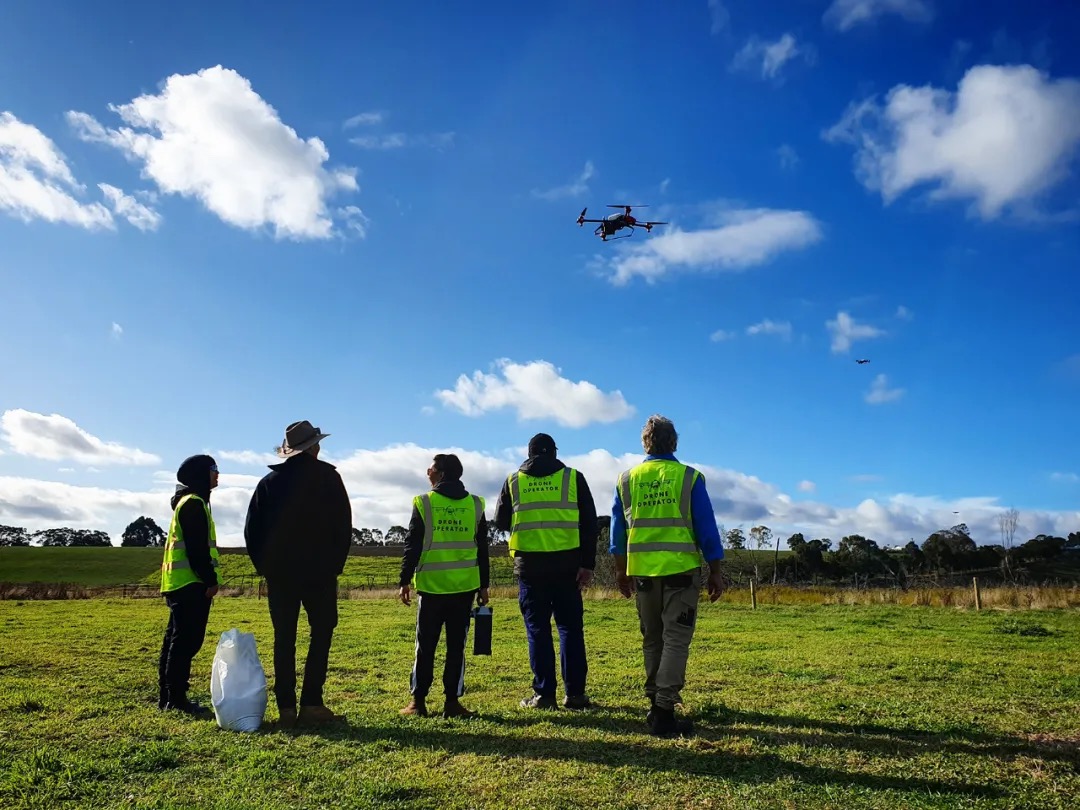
297	533
299	436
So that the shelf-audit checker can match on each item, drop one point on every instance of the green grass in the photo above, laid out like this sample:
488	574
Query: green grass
801	707
93	567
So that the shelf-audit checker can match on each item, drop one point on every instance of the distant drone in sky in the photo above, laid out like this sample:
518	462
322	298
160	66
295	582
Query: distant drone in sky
860	362
615	222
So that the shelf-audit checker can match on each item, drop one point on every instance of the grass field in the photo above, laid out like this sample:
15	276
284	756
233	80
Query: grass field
128	566
800	707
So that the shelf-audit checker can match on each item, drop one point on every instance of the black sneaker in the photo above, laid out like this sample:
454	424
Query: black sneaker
539	702
188	707
665	724
577	702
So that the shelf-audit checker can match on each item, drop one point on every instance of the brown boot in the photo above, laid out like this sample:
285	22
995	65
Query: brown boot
416	706
286	718
316	715
455	709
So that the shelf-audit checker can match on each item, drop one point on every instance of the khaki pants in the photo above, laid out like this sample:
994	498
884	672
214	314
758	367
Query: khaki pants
667	610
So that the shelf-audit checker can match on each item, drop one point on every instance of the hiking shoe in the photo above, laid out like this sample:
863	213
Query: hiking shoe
417	707
316	715
577	702
286	718
665	724
454	709
539	702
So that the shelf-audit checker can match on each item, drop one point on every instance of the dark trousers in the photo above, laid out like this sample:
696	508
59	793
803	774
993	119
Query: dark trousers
319	600
189	611
539	600
434	610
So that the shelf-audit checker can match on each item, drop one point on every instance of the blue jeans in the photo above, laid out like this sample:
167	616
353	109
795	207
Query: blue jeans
540	600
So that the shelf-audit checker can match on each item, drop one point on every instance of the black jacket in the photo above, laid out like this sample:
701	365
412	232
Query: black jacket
535	565
299	522
414	540
196	531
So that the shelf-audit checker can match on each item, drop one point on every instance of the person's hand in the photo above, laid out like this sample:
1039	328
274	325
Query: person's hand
482	597
625	584
403	595
584	578
211	592
715	585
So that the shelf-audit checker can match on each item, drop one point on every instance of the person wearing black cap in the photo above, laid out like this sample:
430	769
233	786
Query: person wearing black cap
298	531
189	581
549	511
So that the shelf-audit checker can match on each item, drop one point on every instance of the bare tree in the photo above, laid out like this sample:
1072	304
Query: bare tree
1007	523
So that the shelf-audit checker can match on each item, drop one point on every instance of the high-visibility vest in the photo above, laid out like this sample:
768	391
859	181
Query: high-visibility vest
448	562
545	512
655	499
176	567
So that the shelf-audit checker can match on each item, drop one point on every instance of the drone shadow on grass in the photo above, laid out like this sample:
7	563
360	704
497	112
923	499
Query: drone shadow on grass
473	737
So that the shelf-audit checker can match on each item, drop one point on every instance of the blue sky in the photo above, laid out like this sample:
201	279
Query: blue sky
216	221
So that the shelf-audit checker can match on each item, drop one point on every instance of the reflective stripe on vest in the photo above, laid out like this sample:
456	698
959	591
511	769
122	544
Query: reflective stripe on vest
545	512
176	567
448	559
656	497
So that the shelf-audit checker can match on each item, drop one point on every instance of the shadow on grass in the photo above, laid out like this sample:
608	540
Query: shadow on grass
457	737
718	722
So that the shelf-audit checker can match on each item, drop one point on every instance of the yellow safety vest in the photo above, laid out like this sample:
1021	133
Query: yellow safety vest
545	512
655	499
448	562
176	567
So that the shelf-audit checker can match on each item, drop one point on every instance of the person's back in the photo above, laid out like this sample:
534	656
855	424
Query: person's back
305	524
298	531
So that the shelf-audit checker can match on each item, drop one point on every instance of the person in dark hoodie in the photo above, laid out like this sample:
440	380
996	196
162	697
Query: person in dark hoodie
190	576
549	511
297	533
446	561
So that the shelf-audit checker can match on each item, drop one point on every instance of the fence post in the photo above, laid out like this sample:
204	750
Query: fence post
978	597
753	596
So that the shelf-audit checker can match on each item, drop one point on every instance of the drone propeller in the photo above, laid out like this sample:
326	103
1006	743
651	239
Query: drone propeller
628	206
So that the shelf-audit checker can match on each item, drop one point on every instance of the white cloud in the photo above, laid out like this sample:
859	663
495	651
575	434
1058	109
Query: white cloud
365	119
399	140
575	188
209	136
126	206
354	220
719	16
55	437
536	390
903	313
742	239
382	482
787	156
846	331
1065	477
248	458
770	327
116	330
721	335
1006	137
880	393
807	486
770	57
664	185
846	14
36	181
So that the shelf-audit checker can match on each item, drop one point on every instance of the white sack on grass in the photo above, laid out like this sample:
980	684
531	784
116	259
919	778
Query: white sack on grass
238	683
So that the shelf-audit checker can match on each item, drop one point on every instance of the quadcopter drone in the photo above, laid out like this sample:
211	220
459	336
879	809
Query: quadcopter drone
609	225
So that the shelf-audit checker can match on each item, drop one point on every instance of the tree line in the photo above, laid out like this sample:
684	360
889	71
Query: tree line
144	532
942	552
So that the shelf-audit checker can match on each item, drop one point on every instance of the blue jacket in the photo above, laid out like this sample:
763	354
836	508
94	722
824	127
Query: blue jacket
705	531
